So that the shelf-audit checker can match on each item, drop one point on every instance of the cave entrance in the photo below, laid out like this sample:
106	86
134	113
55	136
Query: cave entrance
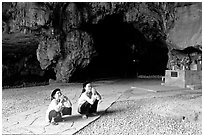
123	51
112	40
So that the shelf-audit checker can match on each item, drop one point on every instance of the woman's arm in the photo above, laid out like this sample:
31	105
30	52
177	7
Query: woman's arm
96	94
56	106
67	102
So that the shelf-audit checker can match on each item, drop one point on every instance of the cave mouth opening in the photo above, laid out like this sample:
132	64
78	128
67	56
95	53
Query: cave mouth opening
122	52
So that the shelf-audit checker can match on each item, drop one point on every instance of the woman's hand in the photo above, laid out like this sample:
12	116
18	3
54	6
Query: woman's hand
62	99
65	101
96	94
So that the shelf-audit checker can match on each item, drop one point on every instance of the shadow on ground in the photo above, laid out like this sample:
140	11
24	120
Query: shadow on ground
100	113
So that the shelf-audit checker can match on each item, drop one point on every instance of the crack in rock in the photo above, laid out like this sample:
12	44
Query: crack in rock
16	123
31	114
44	128
6	130
29	131
72	123
26	116
33	121
66	130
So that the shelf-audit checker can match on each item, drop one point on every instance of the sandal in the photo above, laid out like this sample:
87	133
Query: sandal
84	116
54	123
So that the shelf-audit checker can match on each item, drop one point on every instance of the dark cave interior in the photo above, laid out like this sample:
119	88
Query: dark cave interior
123	52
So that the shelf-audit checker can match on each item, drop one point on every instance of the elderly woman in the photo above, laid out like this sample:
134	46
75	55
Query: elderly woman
88	101
59	105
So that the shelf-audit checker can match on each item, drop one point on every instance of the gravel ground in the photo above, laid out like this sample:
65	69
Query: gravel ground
177	115
18	100
22	99
181	114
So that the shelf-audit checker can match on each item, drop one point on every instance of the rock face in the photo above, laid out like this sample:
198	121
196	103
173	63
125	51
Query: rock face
78	52
186	38
187	30
66	37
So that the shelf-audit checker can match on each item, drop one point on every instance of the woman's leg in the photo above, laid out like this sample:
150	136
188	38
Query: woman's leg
93	107
85	108
55	115
67	111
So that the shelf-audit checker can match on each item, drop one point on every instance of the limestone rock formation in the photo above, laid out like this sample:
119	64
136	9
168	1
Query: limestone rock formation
187	30
186	38
62	36
78	49
48	52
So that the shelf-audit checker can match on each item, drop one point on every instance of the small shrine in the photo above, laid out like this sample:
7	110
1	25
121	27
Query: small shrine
184	68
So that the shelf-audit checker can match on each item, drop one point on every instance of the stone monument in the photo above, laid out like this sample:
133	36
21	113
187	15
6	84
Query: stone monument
184	68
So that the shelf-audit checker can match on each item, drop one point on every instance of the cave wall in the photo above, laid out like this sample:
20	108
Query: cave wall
185	38
187	30
61	34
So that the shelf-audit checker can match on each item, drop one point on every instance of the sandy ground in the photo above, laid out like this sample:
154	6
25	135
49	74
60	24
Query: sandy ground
186	107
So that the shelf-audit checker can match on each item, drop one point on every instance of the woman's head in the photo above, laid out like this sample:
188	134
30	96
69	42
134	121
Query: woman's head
56	94
86	86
